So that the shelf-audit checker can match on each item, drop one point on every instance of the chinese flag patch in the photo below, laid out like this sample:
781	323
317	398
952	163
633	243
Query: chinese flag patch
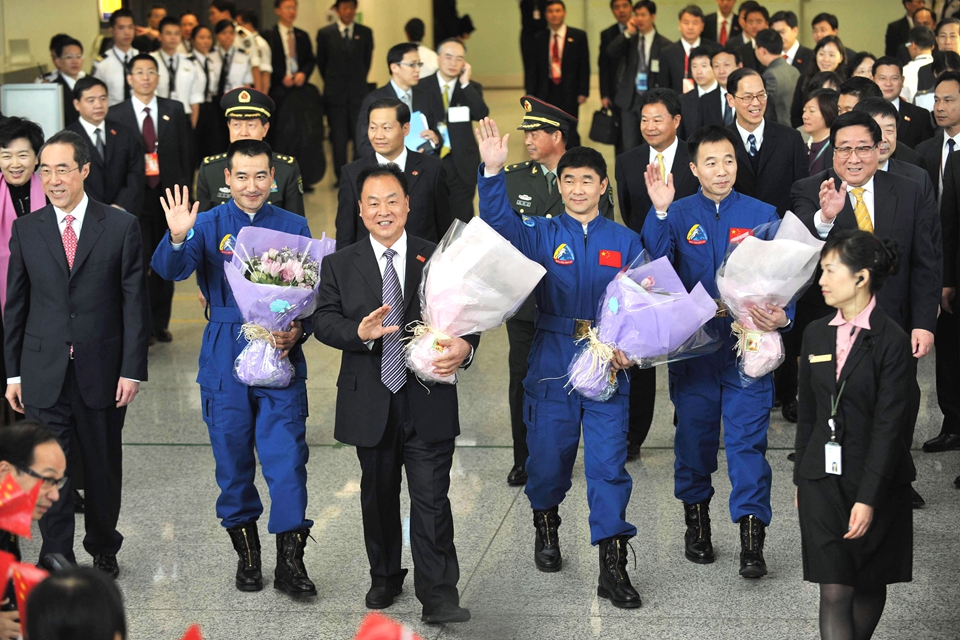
421	258
610	258
737	234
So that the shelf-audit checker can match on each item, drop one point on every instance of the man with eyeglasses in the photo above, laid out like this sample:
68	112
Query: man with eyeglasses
771	156
915	124
67	56
77	326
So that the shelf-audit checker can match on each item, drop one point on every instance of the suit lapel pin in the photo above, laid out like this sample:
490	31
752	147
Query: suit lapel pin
113	132
356	37
907	118
416	173
421	258
166	117
569	39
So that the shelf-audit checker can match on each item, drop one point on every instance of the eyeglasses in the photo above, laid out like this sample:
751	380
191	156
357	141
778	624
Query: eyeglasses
47	172
862	152
72	57
418	65
760	97
48	483
140	73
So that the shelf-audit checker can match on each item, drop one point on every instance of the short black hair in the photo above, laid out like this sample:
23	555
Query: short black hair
822	79
701	52
380	171
858	60
829	18
747	6
860	87
661	95
222	26
582	158
946	21
733	80
19	440
709	134
144	57
225	5
119	13
859	250
771	41
945	61
85	84
415	29
827	102
691	9
758	9
198	29
340	2
612	2
877	108
251	17
81	149
397	51
403	111
57	38
933	16
155	6
788	17
855	119
168	21
887	61
923	37
248	148
63	43
189	13
553	2
77	602
649	5
948	76
277	3
730	51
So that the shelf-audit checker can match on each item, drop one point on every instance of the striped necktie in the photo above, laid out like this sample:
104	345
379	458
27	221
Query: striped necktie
393	370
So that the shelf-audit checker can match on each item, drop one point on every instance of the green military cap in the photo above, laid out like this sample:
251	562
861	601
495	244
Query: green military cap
540	114
245	102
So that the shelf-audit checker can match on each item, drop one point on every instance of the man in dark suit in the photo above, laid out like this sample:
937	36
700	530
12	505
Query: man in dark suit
459	101
891	206
609	68
533	21
660	119
754	18
291	52
77	324
162	127
404	64
915	122
898	32
714	107
675	71
116	157
787	25
702	72
562	65
426	180
344	54
366	304
639	47
723	24
68	58
772	156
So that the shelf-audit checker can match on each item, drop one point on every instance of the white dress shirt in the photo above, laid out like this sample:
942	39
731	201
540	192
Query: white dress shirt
744	134
701	91
189	81
729	21
791	53
289	56
669	154
910	75
401	160
561	43
823	228
647	44
429	58
687	47
91	130
113	74
139	108
399	260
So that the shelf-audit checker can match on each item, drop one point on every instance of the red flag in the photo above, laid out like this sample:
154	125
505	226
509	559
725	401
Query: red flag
379	627
25	578
7	560
610	258
193	633
16	507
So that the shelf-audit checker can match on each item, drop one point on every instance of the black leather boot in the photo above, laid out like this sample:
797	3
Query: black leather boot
246	542
291	575
614	582
547	547
752	533
697	544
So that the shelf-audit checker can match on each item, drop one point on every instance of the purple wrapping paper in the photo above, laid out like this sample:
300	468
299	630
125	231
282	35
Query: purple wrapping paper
270	306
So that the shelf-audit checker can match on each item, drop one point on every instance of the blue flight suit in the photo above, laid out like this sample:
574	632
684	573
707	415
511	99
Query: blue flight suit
571	289
694	237
241	418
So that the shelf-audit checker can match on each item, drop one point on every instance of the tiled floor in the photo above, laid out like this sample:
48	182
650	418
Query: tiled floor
177	563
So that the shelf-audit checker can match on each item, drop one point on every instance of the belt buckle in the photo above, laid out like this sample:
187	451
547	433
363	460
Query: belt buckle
721	309
580	328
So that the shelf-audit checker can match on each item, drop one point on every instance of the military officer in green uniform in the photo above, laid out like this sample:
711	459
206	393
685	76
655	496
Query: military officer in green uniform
248	116
532	189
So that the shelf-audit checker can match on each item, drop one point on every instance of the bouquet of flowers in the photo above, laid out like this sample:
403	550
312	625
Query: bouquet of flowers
647	314
274	278
772	265
474	281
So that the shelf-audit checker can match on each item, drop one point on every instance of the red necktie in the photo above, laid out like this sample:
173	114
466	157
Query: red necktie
686	65
70	240
555	68
786	57
150	143
723	34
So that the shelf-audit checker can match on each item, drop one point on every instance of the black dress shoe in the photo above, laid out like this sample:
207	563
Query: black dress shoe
790	412
107	562
697	544
546	550
752	535
291	575
246	542
446	612
792	456
164	335
776	404
943	442
517	476
381	597
916	500
633	452
614	583
152	341
956	482
78	504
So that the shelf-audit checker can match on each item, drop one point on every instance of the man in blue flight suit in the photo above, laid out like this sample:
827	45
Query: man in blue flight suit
582	252
241	418
694	233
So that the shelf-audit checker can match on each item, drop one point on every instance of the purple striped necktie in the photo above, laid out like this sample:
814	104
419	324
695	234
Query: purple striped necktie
393	370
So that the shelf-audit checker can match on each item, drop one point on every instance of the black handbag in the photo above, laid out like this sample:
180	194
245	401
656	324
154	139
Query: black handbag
605	129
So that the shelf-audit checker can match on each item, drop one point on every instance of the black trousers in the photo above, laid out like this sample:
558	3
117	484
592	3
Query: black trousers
520	335
436	570
97	434
948	371
557	96
643	396
630	136
153	224
461	193
342	120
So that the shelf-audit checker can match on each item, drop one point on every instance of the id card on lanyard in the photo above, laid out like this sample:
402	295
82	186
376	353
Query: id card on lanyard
151	164
832	450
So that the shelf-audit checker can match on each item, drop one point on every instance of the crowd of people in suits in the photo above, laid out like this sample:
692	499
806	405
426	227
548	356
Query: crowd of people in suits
730	127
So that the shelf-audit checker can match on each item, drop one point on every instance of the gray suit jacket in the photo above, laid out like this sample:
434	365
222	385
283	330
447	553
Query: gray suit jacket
780	80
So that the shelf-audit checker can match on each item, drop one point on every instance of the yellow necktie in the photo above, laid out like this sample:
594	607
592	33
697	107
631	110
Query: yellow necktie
446	105
663	168
863	216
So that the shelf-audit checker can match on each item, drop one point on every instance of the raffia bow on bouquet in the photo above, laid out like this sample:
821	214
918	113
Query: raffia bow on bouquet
274	278
474	281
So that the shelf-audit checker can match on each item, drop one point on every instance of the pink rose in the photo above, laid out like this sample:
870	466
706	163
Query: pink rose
272	268
292	270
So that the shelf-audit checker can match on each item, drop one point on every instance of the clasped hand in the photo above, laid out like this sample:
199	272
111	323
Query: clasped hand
287	340
770	318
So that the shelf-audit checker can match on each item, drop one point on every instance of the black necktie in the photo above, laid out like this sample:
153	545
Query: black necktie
206	79
126	72
224	71
346	39
727	113
171	82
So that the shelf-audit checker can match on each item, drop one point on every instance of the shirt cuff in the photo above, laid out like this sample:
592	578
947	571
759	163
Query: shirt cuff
177	246
370	344
130	379
15	380
823	228
468	359
487	174
662	215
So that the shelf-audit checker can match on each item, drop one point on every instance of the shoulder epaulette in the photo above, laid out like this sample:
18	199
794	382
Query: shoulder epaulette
513	167
209	159
98	59
282	158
